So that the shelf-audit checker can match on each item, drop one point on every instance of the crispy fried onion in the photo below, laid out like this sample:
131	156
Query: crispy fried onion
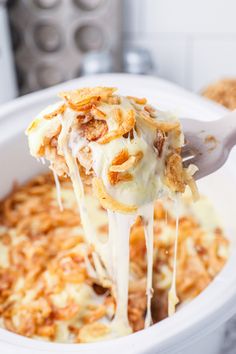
84	98
93	332
114	100
98	114
116	177
121	157
33	125
137	100
59	110
129	161
174	174
125	124
94	313
107	201
157	124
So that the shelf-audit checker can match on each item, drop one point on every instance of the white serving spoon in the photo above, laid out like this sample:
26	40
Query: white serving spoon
208	144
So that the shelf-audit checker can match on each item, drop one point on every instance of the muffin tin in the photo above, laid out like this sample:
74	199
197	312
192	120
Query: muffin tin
52	37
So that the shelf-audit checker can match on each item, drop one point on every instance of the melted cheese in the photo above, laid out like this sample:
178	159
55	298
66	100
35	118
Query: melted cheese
63	145
172	296
147	213
111	257
58	189
115	253
119	232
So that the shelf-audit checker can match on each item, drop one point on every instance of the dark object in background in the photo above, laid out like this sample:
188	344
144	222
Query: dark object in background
52	37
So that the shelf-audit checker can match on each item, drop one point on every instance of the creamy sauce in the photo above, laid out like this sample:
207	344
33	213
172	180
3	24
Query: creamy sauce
111	257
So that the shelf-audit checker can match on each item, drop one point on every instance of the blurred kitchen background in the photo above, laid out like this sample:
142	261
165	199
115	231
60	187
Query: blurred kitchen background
191	43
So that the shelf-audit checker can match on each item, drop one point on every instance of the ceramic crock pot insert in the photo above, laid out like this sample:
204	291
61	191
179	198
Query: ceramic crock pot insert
214	305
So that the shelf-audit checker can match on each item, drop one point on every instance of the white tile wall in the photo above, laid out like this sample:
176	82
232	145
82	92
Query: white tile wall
213	58
190	16
193	42
169	54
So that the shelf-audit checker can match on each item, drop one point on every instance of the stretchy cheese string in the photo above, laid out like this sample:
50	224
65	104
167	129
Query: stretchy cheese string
71	162
172	296
58	190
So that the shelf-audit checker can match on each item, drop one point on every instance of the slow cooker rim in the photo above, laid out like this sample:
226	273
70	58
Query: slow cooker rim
147	338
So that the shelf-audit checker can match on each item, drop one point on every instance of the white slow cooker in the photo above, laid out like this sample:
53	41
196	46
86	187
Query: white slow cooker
8	85
199	326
